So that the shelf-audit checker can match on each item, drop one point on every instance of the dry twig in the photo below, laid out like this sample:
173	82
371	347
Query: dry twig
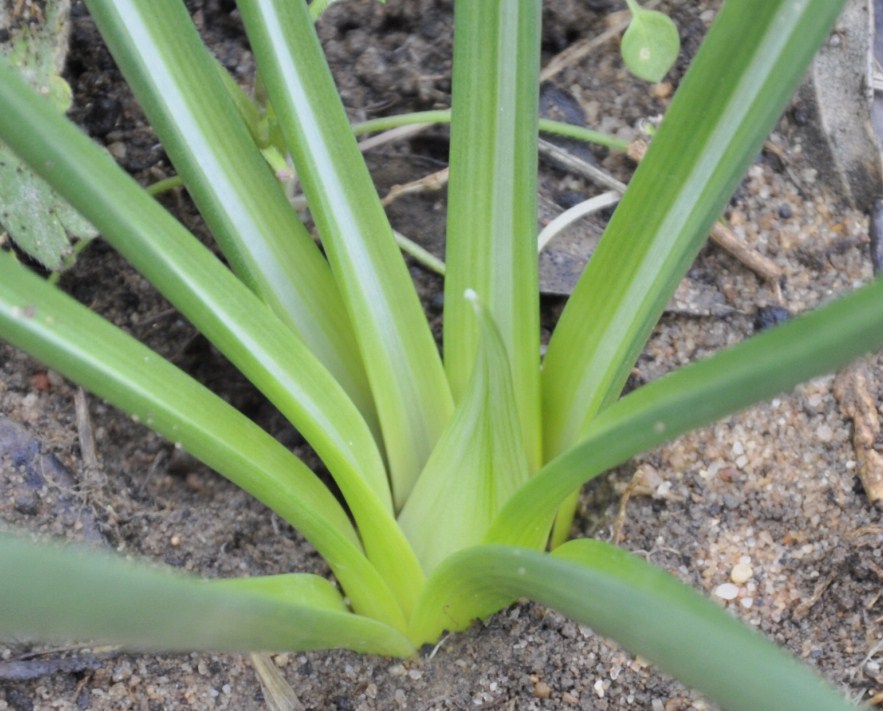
428	183
855	390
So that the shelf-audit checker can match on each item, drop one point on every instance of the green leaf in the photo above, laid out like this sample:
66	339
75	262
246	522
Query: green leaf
696	395
398	350
36	218
224	310
492	211
478	463
205	291
71	593
650	44
754	55
39	222
646	610
202	130
68	337
310	590
38	47
749	63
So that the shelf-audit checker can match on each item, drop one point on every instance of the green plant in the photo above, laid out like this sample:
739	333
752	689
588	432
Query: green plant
33	215
650	44
484	447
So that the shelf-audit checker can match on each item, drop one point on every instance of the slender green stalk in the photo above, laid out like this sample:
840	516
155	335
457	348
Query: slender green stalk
164	185
195	117
420	255
404	368
567	130
557	128
492	219
385	123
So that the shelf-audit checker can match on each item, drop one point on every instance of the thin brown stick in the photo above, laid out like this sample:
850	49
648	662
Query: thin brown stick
855	390
428	183
761	265
85	432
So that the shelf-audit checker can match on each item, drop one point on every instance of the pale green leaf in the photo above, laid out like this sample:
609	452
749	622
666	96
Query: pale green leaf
37	46
478	463
650	44
198	119
492	209
224	310
751	60
310	590
39	222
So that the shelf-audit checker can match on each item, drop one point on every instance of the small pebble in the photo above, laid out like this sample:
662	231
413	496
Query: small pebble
825	433
541	690
118	150
598	686
40	381
741	573
662	90
726	591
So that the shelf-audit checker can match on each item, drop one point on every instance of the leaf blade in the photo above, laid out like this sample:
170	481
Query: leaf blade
79	344
210	146
478	463
404	367
230	315
492	210
752	58
205	291
71	593
650	44
645	609
695	395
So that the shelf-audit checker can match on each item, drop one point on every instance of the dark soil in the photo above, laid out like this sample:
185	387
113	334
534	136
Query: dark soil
766	504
